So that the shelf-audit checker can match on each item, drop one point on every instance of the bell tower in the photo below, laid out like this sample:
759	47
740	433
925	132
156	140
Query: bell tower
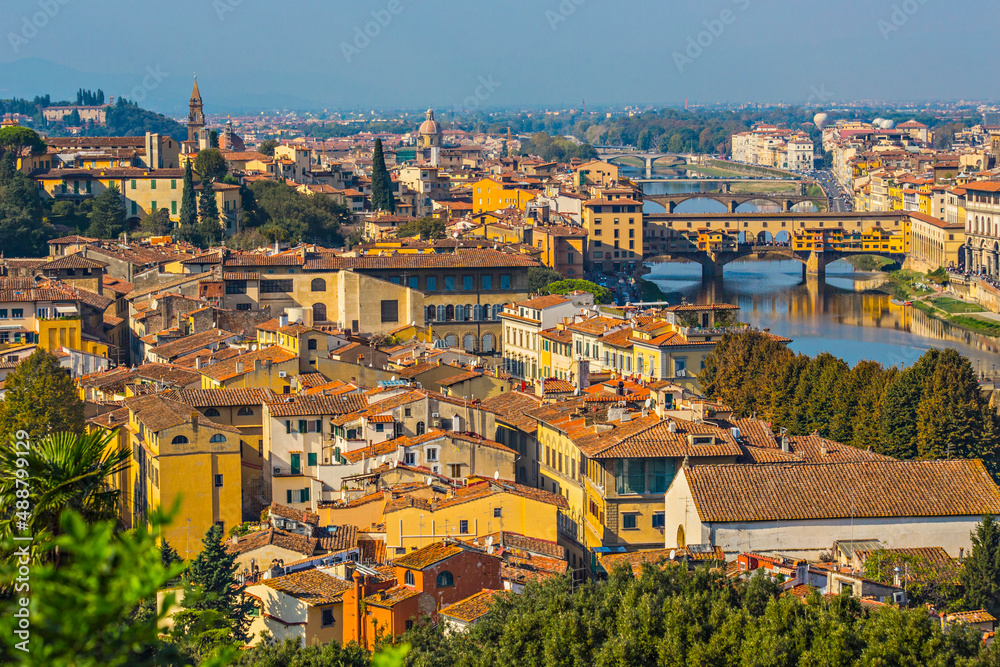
197	135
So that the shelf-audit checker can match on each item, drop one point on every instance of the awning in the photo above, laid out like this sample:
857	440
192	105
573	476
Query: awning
66	309
11	327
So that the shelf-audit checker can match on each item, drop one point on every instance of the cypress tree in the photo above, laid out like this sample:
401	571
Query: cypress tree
208	211
189	205
210	585
899	409
981	572
382	197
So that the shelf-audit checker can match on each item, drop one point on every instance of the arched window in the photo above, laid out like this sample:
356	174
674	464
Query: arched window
408	578
468	312
496	310
442	314
445	579
218	437
211	412
420	428
488	343
469	343
245	412
449	312
179	440
319	313
431	313
318	285
680	537
451	340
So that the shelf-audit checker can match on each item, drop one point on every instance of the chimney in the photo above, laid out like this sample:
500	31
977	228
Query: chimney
672	426
257	364
283	320
239	367
197	363
358	594
785	447
822	449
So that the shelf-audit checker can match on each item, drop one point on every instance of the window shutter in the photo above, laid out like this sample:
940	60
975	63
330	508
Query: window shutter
288	496
288	426
312	458
304	495
302	426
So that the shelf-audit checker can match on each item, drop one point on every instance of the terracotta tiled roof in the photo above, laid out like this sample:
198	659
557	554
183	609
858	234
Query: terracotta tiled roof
977	616
74	261
157	412
427	556
542	302
317	404
391	596
471	608
935	555
188	344
477	491
204	398
301	516
257	259
511	406
770	492
276	537
466	259
338	538
372	551
227	369
314	587
557	386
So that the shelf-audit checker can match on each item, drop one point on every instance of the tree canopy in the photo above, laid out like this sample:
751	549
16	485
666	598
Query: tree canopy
931	410
40	398
284	214
426	228
601	294
107	219
211	165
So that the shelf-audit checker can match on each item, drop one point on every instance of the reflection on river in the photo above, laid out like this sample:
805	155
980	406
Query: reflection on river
840	315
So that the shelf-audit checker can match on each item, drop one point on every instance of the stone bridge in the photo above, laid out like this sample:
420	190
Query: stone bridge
814	262
610	154
733	200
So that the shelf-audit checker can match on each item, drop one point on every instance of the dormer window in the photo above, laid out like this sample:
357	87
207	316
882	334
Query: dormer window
701	439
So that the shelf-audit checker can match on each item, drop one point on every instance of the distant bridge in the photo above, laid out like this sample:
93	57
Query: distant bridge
612	153
732	201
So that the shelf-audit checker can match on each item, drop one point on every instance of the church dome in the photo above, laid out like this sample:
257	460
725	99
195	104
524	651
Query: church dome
430	126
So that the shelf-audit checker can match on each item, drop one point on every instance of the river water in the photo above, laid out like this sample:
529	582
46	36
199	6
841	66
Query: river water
842	314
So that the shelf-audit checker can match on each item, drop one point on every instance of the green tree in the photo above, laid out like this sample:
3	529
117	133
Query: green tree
211	165
382	198
286	214
981	571
210	586
646	140
815	395
426	228
847	399
209	228
22	230
107	220
81	614
156	223
63	471
738	371
189	204
899	408
540	276
16	139
40	398
267	147
601	294
868	423
953	419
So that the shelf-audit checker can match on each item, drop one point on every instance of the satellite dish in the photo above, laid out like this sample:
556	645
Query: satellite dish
489	541
649	401
253	348
673	552
393	378
496	475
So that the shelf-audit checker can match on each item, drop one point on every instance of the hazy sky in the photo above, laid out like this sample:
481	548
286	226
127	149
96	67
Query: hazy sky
462	53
